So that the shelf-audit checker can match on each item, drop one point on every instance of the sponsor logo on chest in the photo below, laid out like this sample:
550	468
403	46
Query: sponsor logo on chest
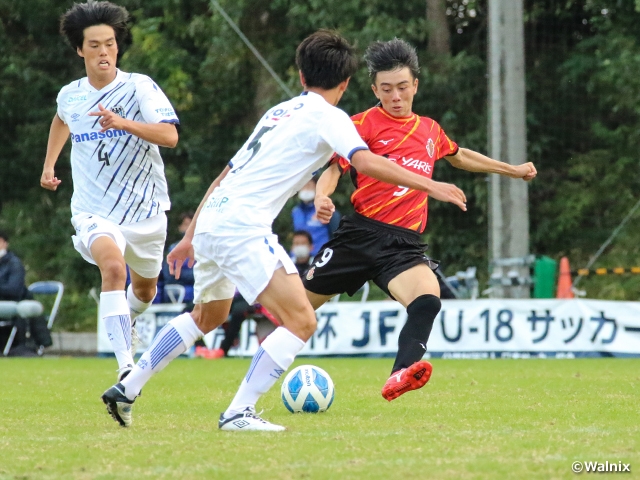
76	98
421	165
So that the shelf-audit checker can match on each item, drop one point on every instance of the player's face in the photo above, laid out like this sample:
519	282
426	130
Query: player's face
100	52
395	89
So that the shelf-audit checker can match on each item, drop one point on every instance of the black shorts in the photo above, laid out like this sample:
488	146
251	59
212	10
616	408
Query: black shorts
362	250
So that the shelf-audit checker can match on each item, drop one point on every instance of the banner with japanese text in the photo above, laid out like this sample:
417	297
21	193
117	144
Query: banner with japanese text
484	328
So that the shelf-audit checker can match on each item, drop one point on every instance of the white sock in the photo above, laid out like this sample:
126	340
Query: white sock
114	311
273	358
136	306
175	338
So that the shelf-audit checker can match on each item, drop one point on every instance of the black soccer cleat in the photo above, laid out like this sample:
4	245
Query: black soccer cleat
118	405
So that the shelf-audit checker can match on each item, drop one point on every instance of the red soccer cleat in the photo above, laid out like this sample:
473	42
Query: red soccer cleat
403	381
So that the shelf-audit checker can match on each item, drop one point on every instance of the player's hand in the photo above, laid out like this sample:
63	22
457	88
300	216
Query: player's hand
447	192
324	208
48	179
109	119
181	252
526	172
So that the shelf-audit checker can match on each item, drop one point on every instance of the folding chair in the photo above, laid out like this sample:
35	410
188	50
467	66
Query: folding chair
8	312
175	292
49	287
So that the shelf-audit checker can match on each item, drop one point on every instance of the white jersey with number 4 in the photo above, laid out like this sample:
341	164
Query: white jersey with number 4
290	143
116	175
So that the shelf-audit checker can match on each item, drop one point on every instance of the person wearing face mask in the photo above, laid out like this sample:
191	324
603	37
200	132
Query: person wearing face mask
301	248
304	217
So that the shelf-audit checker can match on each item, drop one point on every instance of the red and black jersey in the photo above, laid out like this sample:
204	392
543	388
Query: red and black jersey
414	143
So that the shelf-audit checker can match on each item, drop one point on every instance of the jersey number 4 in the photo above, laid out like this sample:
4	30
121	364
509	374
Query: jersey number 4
255	146
103	156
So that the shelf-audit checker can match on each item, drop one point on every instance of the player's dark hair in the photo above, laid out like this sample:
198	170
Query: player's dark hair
304	233
84	15
326	59
5	236
392	55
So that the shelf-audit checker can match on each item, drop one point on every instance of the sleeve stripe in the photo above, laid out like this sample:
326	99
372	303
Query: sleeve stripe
357	149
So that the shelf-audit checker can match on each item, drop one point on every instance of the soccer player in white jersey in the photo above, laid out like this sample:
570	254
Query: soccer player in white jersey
232	237
116	121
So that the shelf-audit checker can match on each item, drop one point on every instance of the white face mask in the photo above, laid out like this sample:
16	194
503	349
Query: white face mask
306	196
3	252
300	251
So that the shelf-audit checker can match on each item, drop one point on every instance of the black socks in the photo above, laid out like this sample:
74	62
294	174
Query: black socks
412	343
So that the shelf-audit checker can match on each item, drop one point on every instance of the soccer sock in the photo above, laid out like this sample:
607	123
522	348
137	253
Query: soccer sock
136	306
115	314
272	359
175	338
412	342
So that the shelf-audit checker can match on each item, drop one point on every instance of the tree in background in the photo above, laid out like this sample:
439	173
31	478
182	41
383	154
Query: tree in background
582	112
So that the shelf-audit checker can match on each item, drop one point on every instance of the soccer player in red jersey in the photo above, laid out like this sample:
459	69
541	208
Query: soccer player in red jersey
381	241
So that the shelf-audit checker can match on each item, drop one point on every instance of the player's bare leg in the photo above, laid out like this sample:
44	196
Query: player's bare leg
113	307
285	298
316	300
417	289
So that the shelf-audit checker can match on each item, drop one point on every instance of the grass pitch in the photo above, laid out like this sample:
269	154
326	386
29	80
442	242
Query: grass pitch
489	419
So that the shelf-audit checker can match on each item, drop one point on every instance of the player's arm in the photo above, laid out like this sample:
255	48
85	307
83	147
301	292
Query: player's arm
382	169
184	250
472	161
162	134
326	186
58	134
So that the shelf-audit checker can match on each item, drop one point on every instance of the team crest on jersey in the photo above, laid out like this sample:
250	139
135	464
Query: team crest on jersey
119	110
310	273
431	147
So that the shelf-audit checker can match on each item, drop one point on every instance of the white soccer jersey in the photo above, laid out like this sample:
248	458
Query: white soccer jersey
116	175
288	146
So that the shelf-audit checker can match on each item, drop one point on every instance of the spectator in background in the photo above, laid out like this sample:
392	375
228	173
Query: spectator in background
304	217
14	289
301	248
12	286
186	276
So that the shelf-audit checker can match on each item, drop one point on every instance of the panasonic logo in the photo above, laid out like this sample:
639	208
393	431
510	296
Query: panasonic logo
87	137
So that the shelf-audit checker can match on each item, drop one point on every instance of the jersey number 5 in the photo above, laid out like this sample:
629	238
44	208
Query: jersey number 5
255	146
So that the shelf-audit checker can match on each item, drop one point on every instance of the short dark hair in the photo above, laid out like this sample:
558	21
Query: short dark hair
326	59
304	233
391	55
84	15
4	235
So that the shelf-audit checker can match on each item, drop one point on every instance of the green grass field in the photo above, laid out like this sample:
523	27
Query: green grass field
489	419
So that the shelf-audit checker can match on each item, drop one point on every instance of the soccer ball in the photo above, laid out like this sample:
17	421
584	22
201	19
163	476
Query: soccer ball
307	388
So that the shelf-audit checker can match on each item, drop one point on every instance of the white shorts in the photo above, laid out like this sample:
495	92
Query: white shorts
141	243
246	260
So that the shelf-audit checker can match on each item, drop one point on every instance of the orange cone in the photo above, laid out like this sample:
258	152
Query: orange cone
564	280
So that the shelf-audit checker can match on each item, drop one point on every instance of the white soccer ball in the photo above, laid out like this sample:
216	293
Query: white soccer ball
307	388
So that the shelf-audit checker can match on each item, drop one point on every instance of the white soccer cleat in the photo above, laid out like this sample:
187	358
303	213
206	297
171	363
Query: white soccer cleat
247	421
